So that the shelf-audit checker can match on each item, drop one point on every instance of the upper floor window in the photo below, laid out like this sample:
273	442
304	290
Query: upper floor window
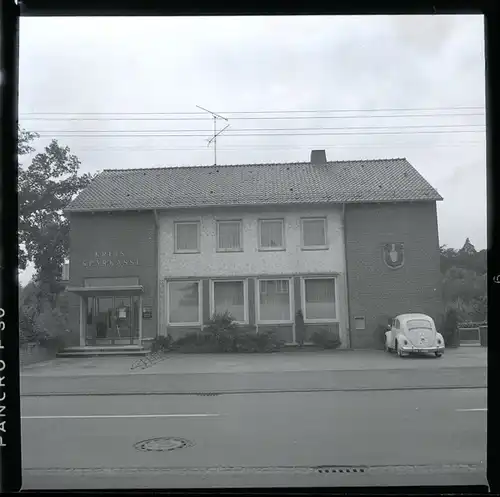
314	233
229	236
271	235
187	237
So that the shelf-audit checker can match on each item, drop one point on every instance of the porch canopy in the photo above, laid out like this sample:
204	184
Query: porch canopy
106	290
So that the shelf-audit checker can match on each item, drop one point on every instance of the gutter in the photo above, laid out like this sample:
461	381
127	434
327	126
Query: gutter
349	330
157	249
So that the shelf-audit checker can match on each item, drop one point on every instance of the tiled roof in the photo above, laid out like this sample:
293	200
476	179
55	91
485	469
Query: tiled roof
387	180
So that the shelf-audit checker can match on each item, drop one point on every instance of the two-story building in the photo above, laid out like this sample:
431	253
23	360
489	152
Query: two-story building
158	251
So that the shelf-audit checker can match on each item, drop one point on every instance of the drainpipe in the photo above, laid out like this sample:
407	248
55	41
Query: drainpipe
349	331
157	248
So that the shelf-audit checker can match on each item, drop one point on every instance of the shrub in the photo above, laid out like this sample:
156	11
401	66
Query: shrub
379	335
195	343
449	328
222	334
52	344
326	339
161	344
224	331
250	341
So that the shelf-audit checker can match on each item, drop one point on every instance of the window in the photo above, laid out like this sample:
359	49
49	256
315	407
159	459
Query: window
419	324
359	323
229	236
319	299
187	237
274	300
313	233
184	301
230	296
271	234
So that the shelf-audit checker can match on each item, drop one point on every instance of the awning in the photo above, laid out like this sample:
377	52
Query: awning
106	290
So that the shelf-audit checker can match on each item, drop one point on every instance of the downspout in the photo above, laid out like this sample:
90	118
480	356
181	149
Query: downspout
158	293
349	331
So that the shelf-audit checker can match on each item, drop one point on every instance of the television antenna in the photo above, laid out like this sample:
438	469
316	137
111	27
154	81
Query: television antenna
216	133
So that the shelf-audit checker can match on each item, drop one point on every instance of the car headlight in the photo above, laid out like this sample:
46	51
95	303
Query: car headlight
439	341
405	342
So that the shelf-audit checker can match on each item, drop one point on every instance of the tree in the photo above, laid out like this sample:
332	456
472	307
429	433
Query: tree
464	281
46	186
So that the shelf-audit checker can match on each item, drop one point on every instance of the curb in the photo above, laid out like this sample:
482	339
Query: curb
241	392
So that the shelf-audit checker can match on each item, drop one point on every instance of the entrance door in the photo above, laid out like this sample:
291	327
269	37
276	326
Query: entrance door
112	321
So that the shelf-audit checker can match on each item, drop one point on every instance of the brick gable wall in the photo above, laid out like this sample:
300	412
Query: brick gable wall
377	292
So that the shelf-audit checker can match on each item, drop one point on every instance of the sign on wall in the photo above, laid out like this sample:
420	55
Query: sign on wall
147	312
394	255
110	258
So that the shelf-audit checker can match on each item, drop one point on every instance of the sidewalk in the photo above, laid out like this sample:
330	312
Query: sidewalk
336	360
286	371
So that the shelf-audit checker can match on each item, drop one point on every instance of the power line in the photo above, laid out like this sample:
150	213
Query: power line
121	118
387	109
151	135
263	129
281	147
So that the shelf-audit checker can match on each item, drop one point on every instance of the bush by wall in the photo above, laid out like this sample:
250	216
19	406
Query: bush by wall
326	339
222	334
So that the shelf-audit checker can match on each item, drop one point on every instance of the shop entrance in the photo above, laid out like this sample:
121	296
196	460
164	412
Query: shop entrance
112	320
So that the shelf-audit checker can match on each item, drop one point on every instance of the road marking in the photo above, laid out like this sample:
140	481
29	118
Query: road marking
102	416
472	410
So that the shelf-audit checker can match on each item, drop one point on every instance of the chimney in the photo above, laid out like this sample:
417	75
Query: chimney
318	157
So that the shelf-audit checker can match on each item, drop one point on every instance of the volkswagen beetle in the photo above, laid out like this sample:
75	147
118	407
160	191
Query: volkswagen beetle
412	333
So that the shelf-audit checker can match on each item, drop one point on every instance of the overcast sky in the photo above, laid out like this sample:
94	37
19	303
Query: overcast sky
135	74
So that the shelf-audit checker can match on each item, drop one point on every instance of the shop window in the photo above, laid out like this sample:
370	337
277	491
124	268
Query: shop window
319	297
184	302
274	301
230	296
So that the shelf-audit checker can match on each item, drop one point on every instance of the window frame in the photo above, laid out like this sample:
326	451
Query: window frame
302	239
198	238
228	221
283	242
303	280
290	296
200	302
245	296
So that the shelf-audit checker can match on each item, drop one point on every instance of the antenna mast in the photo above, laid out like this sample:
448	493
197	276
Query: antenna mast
216	133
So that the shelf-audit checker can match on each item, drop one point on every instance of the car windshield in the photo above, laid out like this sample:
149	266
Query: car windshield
419	324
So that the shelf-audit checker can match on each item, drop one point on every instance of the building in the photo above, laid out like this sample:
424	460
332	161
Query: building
157	251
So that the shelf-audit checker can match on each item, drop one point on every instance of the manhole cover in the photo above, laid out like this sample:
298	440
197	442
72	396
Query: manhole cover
163	444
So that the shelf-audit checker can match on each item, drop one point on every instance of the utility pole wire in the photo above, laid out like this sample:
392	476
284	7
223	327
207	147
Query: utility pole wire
256	111
282	118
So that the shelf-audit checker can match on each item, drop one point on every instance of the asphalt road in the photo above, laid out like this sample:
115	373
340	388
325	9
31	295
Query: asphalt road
420	437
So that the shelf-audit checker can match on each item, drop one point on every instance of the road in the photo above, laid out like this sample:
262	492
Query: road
256	439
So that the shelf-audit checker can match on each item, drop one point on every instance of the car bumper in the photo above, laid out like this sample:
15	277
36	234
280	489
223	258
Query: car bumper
422	349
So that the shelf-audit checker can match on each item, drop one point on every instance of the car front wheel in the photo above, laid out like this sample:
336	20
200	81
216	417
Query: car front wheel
438	354
399	351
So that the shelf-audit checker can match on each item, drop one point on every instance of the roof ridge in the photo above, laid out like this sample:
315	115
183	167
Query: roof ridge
161	168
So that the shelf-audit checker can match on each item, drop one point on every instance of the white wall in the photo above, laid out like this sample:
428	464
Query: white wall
252	262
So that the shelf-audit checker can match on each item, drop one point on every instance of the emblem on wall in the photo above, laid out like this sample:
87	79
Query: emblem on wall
394	255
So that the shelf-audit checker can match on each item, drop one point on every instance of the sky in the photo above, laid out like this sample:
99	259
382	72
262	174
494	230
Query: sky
123	93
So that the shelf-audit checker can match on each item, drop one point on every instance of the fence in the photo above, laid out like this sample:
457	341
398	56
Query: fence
472	334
